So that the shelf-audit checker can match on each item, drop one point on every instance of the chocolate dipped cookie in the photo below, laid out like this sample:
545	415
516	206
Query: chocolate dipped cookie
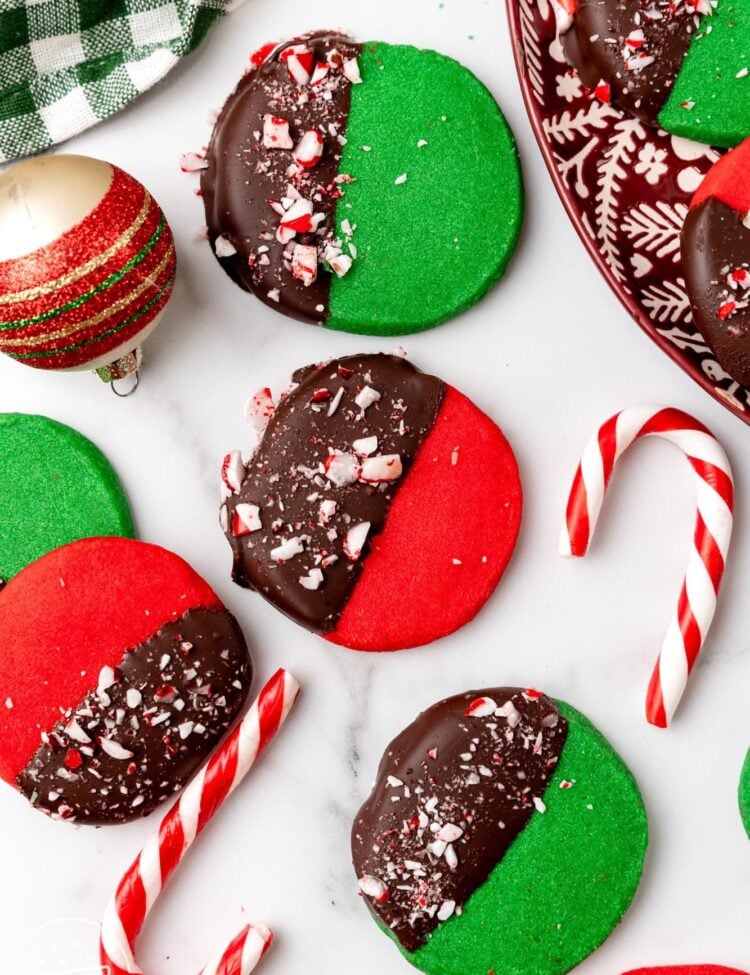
715	248
503	834
367	187
380	507
120	670
681	66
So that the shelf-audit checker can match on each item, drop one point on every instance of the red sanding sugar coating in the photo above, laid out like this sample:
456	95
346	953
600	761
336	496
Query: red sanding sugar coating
728	180
72	612
687	970
449	536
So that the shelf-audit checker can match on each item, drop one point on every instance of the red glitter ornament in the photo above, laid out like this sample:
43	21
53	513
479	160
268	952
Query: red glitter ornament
87	264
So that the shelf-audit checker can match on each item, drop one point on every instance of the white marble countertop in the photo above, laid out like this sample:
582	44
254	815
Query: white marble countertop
548	363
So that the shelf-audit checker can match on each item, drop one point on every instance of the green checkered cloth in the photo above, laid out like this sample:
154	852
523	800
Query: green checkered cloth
67	64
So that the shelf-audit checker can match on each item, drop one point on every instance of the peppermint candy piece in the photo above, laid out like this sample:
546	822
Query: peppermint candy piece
288	549
372	887
482	707
305	264
114	749
381	469
309	150
276	134
351	71
259	409
224	247
297	219
312	581
300	62
365	446
341	468
320	74
326	511
355	540
366	397
232	473
245	520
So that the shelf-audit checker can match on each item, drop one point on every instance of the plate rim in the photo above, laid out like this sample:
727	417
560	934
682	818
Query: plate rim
513	8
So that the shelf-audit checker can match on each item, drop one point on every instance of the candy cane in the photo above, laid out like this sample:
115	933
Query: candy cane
145	879
713	531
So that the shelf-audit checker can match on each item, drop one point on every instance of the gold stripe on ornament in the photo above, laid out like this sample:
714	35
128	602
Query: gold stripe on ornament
42	290
108	312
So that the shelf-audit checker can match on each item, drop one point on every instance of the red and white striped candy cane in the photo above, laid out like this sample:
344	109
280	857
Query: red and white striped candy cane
713	531
141	885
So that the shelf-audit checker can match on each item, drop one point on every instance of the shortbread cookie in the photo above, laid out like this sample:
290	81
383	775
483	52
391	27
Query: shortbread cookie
715	245
380	507
120	670
681	66
503	834
55	487
369	188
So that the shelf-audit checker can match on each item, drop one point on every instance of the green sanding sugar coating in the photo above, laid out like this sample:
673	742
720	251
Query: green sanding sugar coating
567	880
710	101
55	487
431	245
745	794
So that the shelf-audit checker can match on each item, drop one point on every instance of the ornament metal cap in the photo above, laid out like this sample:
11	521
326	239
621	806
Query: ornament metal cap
126	365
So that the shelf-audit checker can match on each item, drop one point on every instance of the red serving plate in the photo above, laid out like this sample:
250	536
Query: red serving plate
627	189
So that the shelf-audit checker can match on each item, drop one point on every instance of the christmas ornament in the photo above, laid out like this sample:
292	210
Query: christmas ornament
87	264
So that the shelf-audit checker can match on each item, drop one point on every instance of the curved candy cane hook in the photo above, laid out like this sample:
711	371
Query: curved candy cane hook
146	877
713	531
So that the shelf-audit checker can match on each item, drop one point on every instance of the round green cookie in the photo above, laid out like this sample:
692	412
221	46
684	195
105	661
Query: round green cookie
710	100
570	869
365	187
432	245
745	794
55	487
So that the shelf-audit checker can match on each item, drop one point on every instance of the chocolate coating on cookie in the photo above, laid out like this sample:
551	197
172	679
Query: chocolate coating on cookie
253	175
453	791
716	259
320	484
636	47
135	740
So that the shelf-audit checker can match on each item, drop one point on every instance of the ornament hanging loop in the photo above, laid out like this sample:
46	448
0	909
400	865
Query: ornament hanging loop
135	377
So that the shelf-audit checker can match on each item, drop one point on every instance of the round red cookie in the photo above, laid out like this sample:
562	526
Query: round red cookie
120	670
380	508
715	247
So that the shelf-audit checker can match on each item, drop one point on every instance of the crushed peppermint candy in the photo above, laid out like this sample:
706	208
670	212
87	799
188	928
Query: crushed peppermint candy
313	580
305	263
366	397
259	409
232	474
378	470
309	150
288	549
119	752
224	247
431	833
276	133
331	459
300	99
355	540
246	519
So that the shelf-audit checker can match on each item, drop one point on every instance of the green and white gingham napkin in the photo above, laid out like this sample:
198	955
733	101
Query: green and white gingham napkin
67	64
